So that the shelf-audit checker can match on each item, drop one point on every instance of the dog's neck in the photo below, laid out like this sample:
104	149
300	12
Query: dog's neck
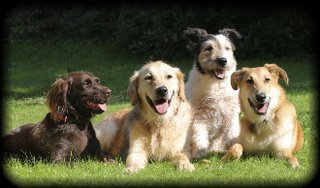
69	118
77	119
201	86
51	123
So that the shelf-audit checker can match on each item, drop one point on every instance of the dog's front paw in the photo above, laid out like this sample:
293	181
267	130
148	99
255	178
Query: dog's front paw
293	161
234	153
294	165
132	169
108	159
185	166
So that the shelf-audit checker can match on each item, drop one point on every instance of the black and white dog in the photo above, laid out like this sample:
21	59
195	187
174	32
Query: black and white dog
215	103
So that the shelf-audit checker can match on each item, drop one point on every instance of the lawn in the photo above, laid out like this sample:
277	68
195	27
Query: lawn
32	68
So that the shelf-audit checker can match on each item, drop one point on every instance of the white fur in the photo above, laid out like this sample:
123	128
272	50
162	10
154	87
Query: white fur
216	105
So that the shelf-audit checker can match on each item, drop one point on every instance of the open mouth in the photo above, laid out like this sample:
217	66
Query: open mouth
219	73
96	107
160	106
260	109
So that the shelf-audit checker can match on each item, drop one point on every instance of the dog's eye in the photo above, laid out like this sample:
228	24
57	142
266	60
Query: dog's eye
169	76
267	80
87	83
148	78
249	81
209	48
227	48
98	81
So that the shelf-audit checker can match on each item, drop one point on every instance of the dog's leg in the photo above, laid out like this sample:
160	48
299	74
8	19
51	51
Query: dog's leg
234	153
182	162
200	140
293	161
136	161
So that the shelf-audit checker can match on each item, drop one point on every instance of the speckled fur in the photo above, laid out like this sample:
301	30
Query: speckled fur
216	104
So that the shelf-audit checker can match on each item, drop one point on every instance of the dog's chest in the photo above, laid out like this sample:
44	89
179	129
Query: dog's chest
199	88
261	137
165	142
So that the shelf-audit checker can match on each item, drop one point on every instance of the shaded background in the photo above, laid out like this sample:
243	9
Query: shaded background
154	30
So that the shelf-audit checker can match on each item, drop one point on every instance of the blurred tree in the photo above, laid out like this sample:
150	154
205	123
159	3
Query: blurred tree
155	30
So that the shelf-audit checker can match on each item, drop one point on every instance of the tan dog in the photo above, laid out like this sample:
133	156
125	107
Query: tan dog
157	127
270	122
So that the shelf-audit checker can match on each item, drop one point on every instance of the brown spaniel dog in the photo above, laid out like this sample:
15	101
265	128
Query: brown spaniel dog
66	131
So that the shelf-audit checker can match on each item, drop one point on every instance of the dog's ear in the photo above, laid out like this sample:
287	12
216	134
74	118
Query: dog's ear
195	36
226	32
236	78
133	88
57	99
180	77
277	72
230	33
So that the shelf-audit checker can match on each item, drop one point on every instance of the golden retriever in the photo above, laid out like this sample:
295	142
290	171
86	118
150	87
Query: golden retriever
269	124
158	125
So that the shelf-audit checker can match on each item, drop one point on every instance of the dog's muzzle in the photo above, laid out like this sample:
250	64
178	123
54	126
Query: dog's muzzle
262	105
220	72
161	105
222	61
98	104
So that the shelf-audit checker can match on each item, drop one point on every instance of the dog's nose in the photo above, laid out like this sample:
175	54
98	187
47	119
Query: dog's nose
162	91
261	97
222	61
107	91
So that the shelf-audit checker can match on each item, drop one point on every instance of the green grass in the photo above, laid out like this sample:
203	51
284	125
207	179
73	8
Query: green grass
31	69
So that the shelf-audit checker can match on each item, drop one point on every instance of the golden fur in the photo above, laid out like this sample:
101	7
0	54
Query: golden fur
157	126
269	124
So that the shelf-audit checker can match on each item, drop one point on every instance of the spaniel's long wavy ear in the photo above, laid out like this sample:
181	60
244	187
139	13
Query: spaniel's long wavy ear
57	99
133	89
180	77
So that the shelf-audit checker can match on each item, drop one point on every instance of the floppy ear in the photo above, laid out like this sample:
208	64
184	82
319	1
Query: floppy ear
277	72
57	99
226	32
180	77
230	33
235	78
133	88
195	37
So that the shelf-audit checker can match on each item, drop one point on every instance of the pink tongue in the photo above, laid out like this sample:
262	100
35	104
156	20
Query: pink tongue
262	108
103	107
162	108
219	73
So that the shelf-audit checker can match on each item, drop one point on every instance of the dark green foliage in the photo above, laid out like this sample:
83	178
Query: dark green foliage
155	30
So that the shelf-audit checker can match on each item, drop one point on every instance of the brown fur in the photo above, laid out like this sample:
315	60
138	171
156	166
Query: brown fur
66	131
147	131
269	124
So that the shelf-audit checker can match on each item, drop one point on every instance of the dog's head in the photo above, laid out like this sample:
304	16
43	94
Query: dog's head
156	86
213	53
257	86
79	94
